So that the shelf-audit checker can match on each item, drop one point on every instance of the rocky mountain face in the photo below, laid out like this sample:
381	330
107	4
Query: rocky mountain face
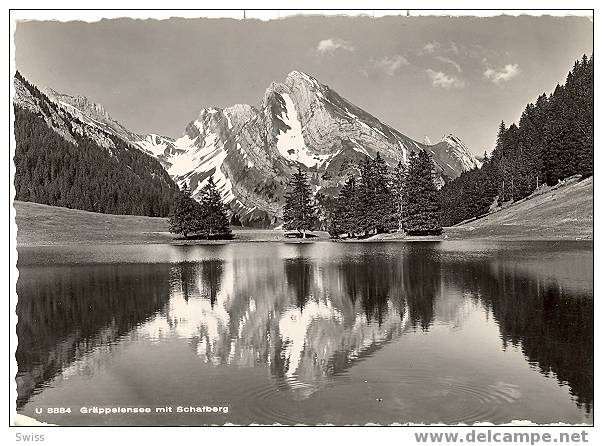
251	151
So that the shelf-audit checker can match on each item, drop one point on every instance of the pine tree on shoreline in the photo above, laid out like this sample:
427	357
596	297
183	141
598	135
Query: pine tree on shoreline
347	210
206	218
379	201
183	219
422	215
214	220
400	196
299	212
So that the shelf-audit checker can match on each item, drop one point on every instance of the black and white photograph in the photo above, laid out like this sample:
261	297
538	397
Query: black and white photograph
281	218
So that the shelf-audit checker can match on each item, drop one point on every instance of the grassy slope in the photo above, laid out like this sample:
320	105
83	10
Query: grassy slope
564	212
560	213
38	224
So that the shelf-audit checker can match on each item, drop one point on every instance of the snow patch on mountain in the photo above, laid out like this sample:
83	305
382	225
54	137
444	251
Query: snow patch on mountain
229	121
154	144
201	160
223	183
404	151
290	143
357	147
188	160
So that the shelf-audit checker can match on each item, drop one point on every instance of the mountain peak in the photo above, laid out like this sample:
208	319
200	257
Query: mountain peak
451	138
208	111
240	112
462	152
300	74
82	103
296	77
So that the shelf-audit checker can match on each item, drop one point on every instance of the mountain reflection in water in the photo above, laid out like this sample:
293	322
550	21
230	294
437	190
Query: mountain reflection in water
307	313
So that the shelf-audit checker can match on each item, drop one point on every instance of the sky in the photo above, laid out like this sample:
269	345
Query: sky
424	76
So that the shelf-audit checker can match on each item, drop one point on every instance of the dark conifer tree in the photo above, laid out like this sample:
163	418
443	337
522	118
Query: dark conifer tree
325	210
374	196
580	113
381	208
348	209
399	196
527	154
554	159
510	169
299	212
500	161
423	208
366	197
213	220
186	214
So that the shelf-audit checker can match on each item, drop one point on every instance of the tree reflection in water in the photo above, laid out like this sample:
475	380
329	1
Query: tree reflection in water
66	311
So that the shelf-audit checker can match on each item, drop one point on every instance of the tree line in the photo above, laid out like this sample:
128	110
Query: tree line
205	218
53	171
552	141
377	200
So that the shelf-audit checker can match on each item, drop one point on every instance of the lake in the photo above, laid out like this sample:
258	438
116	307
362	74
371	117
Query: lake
341	333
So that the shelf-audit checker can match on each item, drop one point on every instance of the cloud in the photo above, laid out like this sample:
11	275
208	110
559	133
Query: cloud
432	47
389	65
451	62
455	50
443	80
330	45
507	73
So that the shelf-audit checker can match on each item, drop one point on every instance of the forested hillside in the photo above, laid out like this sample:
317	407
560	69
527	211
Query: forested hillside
553	141
58	163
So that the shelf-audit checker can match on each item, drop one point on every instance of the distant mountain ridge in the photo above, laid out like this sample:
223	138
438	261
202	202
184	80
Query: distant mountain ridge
250	151
67	158
94	114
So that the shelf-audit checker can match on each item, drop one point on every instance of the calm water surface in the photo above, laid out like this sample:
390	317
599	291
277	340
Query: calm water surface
451	332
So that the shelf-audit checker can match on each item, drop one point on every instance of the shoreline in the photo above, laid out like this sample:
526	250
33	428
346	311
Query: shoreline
380	238
562	213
